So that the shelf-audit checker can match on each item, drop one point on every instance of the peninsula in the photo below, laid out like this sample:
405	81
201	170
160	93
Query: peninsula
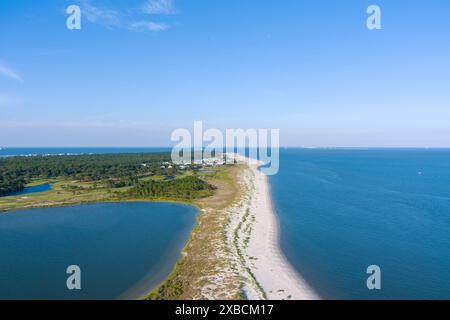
233	251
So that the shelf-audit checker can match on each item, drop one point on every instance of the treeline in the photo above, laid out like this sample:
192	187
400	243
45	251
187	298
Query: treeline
188	188
116	169
10	183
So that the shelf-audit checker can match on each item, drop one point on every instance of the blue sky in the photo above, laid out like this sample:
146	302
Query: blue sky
139	69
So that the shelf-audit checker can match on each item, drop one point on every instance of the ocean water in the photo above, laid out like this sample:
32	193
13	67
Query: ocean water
343	210
123	249
340	210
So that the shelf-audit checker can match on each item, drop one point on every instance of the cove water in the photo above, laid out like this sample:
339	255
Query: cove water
124	250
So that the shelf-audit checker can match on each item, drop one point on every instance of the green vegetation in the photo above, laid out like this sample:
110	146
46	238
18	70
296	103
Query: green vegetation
138	177
10	182
241	257
197	266
114	170
98	178
187	188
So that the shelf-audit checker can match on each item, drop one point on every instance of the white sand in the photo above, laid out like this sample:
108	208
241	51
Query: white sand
260	246
250	249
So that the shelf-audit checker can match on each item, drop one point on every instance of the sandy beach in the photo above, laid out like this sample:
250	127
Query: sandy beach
256	242
234	251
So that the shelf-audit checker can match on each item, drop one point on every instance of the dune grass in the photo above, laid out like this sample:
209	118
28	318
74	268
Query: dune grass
198	264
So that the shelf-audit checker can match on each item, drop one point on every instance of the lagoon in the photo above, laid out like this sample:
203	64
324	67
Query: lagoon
33	189
123	249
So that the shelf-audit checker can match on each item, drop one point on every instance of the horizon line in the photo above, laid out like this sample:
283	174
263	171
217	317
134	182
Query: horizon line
245	147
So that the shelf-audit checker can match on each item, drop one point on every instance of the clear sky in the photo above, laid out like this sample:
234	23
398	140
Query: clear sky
139	69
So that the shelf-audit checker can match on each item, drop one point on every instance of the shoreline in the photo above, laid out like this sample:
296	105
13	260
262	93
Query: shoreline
207	268
261	248
141	289
243	260
233	251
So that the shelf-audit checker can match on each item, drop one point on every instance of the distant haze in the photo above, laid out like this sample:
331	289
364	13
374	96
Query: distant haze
312	69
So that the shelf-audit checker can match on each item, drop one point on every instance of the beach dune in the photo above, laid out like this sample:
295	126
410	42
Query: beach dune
272	274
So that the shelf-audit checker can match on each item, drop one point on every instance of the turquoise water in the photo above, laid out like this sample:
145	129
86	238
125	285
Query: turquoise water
34	189
123	249
343	210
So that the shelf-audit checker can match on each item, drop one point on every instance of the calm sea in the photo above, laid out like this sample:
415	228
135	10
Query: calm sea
343	210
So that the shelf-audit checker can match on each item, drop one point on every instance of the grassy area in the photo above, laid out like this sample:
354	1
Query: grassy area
181	175
198	265
64	192
241	257
37	182
69	191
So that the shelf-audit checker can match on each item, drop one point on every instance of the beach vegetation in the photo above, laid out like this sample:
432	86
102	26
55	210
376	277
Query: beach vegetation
114	170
